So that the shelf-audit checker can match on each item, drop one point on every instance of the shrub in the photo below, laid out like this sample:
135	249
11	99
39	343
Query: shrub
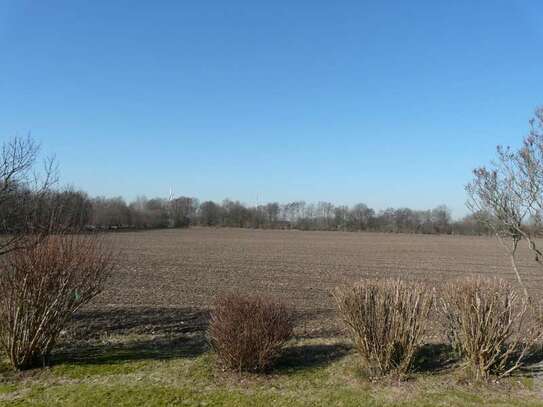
41	287
387	319
489	324
248	333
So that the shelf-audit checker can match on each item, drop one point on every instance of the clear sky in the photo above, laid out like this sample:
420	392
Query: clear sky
391	103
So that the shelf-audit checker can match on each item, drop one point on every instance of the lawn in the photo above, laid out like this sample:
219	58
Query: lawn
162	371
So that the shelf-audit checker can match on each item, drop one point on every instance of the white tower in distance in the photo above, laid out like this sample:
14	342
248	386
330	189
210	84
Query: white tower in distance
171	209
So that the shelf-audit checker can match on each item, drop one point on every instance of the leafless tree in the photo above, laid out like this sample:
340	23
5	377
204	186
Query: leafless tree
340	217
114	213
360	216
272	213
441	218
210	213
510	193
182	210
23	191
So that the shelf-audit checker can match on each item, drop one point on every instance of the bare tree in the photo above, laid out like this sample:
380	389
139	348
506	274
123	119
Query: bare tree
360	216
210	213
441	218
272	213
510	193
341	216
23	191
182	210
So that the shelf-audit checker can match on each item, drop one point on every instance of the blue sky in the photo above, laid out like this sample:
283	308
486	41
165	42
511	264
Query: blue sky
391	103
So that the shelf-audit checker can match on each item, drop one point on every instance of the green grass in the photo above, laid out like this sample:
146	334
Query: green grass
313	373
7	388
149	394
82	371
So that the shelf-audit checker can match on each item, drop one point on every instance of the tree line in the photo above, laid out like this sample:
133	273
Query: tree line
35	205
82	211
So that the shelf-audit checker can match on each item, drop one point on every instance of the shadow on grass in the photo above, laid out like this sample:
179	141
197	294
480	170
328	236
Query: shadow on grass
434	357
303	357
533	363
5	369
159	334
431	358
162	348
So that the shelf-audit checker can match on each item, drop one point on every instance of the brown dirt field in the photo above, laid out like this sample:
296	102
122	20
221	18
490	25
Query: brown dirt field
172	275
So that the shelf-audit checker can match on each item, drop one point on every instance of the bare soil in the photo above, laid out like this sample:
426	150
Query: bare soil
167	279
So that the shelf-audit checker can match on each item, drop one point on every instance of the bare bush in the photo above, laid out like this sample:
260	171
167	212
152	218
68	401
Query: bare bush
248	333
41	286
387	320
489	324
